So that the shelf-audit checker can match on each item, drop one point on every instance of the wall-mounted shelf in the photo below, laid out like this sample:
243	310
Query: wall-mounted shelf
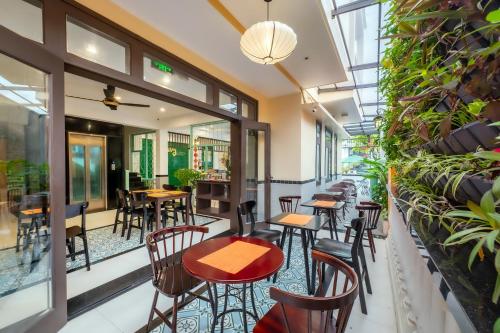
213	198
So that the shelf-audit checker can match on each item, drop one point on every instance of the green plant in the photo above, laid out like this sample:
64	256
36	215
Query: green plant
189	177
377	174
480	224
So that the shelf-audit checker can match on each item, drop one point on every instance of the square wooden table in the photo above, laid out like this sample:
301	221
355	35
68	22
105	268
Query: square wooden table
160	196
306	234
331	211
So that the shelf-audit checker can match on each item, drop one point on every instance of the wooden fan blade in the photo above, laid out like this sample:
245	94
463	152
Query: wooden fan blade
87	99
136	105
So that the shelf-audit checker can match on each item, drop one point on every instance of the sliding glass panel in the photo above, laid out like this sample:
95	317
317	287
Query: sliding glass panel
228	101
24	17
95	166
77	173
25	249
93	45
163	75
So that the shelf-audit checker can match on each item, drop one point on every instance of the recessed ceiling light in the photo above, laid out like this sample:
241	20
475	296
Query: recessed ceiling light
118	98
166	79
162	109
92	49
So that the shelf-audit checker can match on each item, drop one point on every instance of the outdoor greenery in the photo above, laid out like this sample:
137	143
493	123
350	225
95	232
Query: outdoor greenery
440	72
188	177
377	174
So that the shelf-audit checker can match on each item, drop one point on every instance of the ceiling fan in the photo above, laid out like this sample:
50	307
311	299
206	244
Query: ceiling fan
110	100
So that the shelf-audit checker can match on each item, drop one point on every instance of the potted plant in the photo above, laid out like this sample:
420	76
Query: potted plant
189	177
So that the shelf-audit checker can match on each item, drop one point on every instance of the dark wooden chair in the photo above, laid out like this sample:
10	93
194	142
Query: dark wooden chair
140	212
314	314
371	211
180	207
245	211
123	208
288	204
77	231
352	254
169	277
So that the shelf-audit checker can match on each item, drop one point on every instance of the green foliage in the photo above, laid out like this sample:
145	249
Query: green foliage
479	224
188	177
377	174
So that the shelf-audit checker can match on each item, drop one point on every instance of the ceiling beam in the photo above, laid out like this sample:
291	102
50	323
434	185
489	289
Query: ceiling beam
346	88
353	6
363	66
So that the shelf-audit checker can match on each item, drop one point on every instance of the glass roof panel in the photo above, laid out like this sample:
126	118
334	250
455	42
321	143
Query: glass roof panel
360	28
368	95
366	76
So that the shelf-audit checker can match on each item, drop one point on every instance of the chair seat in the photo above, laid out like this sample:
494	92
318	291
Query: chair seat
266	234
273	321
73	231
174	281
348	226
335	248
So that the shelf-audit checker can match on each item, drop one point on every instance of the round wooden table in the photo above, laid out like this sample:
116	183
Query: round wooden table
263	267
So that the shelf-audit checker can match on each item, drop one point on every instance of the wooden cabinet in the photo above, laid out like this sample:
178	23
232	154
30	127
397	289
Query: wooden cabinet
213	197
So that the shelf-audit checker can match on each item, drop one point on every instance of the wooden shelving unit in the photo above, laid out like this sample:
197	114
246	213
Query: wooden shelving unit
213	197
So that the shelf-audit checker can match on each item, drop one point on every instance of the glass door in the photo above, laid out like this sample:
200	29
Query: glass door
87	170
256	168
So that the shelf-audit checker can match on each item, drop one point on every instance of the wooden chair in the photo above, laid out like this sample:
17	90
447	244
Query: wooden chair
169	277
77	231
314	314
36	214
352	254
288	204
180	207
371	211
140	211
245	210
123	208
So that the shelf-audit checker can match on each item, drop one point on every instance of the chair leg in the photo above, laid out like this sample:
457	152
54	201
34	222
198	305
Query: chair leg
125	223
152	312
73	247
130	226
86	251
290	236
68	245
145	221
372	244
362	300
347	235
174	314
365	271
116	220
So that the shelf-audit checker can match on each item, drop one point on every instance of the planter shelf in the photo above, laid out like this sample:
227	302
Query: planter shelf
464	140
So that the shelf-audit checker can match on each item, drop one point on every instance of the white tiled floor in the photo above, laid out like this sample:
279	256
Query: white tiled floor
129	312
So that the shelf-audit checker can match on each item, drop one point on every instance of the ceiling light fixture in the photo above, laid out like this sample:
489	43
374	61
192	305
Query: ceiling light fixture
118	98
166	79
162	109
268	42
92	49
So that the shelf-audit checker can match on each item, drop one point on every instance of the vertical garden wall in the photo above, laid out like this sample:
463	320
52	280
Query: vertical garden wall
441	81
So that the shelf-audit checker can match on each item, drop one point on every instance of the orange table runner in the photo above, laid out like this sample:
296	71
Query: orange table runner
297	219
165	194
325	204
234	257
33	211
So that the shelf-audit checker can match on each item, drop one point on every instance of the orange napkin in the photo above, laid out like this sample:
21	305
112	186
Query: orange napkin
234	257
297	219
325	204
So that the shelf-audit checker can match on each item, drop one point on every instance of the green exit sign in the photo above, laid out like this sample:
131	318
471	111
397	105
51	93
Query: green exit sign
161	66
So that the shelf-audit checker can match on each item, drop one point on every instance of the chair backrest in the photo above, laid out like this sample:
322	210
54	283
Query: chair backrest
166	247
138	200
344	293
289	203
358	224
168	187
328	197
122	199
371	212
78	209
189	190
245	209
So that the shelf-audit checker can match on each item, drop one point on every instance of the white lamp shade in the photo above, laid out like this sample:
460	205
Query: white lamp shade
268	42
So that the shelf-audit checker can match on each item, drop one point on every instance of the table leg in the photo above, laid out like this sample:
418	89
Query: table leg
253	300
245	324
333	218
188	214
306	259
157	214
